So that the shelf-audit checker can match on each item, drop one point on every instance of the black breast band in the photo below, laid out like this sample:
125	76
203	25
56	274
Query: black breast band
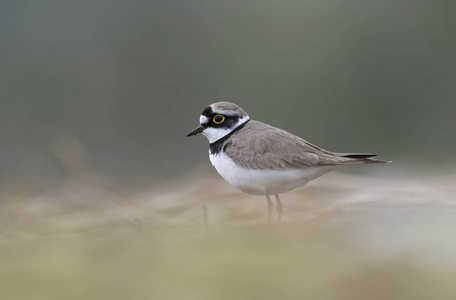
217	146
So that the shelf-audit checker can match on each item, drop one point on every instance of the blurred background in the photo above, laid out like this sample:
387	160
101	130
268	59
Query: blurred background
96	98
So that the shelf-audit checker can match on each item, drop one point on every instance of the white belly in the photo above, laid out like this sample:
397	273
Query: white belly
261	182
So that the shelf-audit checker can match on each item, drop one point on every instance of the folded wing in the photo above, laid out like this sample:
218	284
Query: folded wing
261	146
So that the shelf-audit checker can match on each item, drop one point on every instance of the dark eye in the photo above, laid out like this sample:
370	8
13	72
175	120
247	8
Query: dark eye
218	119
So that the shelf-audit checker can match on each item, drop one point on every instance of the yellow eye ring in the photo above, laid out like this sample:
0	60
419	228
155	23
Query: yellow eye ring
217	119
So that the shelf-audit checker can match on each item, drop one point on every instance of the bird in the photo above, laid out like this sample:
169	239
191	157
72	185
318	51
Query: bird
261	159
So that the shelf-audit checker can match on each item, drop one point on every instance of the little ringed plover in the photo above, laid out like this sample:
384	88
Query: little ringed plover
260	159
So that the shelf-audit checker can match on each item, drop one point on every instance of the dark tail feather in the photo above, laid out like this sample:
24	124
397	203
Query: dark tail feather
363	158
359	155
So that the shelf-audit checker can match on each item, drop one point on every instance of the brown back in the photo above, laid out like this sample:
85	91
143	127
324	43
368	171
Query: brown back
261	146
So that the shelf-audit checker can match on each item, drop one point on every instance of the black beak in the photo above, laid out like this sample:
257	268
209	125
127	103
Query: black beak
195	131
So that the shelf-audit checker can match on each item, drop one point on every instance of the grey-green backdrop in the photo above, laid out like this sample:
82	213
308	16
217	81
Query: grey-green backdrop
130	78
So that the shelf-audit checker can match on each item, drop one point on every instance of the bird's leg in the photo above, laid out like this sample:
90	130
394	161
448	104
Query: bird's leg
279	208
270	206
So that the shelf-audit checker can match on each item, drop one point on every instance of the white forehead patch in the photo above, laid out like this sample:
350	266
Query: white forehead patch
204	120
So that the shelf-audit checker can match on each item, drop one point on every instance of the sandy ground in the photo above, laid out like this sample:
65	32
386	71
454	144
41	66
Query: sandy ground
341	237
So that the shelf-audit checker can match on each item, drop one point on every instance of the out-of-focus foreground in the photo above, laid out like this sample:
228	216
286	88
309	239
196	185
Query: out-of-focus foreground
342	237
